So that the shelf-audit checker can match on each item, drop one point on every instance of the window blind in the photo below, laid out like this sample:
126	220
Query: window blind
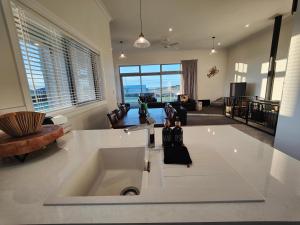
61	72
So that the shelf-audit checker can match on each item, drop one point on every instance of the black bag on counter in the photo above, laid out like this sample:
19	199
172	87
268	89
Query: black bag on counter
177	155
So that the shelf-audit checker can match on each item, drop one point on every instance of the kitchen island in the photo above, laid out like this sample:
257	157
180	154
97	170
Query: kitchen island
24	188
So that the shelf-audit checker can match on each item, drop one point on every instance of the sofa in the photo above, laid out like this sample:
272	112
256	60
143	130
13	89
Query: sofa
151	100
189	105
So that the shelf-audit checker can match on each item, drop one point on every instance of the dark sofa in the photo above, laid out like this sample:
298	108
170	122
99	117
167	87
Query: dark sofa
156	105
151	100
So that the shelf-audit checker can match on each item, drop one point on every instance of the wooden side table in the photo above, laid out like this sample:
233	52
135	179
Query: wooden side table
22	146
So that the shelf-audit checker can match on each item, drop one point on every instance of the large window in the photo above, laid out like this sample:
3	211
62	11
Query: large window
60	71
163	81
131	88
151	84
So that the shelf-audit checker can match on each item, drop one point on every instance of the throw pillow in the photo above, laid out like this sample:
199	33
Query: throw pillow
184	98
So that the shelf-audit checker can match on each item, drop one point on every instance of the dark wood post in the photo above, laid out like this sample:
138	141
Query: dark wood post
247	110
294	7
273	54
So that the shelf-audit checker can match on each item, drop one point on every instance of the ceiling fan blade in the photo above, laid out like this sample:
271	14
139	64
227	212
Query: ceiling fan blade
173	44
155	42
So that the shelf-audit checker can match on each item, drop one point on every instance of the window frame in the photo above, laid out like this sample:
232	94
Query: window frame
140	74
68	31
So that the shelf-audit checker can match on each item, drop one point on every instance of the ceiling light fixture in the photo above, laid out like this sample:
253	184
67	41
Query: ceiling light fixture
141	42
213	50
170	29
247	25
122	55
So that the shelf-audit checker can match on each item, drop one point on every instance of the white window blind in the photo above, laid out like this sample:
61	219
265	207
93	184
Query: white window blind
60	71
83	72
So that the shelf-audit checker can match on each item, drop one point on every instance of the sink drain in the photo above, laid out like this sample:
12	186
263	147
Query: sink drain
130	191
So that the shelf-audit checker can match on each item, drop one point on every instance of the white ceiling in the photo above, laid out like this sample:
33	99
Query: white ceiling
194	22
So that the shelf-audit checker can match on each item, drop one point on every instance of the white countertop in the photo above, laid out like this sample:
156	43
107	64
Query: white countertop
25	187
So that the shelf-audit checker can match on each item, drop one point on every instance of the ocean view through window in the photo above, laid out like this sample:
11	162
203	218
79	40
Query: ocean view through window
162	81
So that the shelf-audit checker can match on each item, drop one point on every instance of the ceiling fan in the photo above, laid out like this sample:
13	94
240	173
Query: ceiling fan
166	43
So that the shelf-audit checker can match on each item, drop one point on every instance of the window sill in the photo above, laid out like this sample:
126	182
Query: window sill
73	111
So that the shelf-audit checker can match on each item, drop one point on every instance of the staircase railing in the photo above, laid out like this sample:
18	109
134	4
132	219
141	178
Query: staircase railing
253	111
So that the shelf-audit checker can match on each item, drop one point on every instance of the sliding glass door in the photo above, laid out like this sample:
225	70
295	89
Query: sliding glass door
131	88
171	87
152	86
162	81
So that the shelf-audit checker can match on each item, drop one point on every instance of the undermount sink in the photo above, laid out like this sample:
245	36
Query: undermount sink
109	172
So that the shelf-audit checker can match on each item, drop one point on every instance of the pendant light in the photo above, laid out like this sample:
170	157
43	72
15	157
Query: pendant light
213	50
141	42
122	55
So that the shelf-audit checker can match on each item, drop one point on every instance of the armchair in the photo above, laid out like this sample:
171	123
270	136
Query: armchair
189	104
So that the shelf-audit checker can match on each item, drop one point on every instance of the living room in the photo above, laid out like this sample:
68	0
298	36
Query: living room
251	47
243	58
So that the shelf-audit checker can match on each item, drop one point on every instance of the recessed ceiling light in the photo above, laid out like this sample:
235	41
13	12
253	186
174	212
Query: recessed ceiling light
170	29
247	25
219	43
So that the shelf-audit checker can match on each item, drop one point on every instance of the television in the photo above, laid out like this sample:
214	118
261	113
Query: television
238	89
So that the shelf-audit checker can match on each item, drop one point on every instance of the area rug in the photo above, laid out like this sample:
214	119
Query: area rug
208	119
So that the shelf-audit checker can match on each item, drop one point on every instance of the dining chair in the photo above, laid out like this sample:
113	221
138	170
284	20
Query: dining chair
123	109
119	113
113	119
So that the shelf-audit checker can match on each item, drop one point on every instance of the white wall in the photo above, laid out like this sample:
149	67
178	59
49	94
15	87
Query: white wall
91	22
253	53
11	96
208	88
287	136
